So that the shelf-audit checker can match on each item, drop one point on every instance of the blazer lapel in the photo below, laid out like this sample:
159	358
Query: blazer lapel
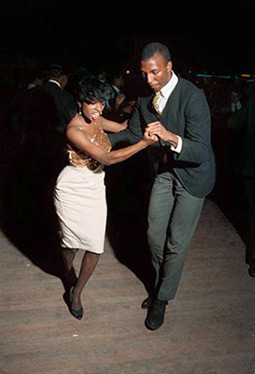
151	108
169	102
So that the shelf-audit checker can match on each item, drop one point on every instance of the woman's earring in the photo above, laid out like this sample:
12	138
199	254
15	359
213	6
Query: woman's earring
80	112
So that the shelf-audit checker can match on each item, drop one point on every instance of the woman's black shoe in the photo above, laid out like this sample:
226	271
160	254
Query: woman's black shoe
76	313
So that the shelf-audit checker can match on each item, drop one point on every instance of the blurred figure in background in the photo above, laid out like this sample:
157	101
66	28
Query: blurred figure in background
242	126
37	79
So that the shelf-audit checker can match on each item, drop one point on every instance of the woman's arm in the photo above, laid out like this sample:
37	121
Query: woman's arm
113	126
78	138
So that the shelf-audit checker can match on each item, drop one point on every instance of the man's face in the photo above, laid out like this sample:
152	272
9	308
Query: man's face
156	71
235	96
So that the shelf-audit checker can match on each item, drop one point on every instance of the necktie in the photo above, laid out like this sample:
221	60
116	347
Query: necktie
155	102
156	107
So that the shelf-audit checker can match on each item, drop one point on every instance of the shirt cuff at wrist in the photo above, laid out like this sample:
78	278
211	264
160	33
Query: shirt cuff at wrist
179	146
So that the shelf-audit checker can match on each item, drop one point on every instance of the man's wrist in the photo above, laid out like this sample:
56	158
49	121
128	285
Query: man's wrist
175	142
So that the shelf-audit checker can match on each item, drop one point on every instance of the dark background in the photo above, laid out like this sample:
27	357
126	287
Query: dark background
213	37
210	36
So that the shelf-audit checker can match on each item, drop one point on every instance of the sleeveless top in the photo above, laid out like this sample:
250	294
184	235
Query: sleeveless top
82	159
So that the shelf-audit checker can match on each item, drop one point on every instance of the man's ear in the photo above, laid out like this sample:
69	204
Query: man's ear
169	66
63	80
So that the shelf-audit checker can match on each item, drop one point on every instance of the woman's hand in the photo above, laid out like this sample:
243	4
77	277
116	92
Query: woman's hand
157	129
149	138
124	124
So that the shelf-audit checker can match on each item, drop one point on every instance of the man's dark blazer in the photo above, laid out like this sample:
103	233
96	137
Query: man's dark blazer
60	104
47	109
186	114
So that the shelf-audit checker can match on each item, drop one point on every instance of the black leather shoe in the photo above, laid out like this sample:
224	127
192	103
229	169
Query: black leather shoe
155	315
146	303
252	270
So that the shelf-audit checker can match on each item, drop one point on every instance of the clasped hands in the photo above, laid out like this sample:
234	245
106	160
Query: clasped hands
156	130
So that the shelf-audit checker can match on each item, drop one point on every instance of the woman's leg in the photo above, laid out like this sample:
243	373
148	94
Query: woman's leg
88	266
68	257
69	277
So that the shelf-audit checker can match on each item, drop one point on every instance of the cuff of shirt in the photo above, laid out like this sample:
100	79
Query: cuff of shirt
179	146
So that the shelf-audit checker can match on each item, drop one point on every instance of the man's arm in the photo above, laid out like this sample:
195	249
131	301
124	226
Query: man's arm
194	145
133	133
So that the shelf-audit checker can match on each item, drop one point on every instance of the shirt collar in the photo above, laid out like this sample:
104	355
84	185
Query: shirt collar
56	82
169	87
116	89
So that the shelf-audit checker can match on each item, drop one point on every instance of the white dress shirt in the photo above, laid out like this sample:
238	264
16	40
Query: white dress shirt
165	93
235	107
56	82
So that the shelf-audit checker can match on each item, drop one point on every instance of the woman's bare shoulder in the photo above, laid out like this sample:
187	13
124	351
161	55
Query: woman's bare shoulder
76	121
76	125
77	130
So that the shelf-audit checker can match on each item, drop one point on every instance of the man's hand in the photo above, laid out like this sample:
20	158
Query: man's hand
156	128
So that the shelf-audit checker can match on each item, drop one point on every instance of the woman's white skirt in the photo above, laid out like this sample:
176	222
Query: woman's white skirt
80	203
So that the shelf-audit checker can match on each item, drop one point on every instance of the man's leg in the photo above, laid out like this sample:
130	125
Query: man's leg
184	219
160	207
185	214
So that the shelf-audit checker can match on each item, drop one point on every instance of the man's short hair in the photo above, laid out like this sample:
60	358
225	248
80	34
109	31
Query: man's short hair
155	48
56	71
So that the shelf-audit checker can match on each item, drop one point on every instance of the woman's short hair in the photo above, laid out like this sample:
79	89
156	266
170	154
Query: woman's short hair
94	90
155	48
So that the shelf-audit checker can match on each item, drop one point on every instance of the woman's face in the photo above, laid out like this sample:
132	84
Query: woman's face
92	110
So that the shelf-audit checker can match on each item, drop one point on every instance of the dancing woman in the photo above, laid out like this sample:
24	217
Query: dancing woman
79	196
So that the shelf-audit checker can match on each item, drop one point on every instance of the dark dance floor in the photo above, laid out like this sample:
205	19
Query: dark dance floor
209	328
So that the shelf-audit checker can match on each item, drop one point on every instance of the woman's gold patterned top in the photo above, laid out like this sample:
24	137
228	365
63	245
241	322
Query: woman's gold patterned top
82	159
